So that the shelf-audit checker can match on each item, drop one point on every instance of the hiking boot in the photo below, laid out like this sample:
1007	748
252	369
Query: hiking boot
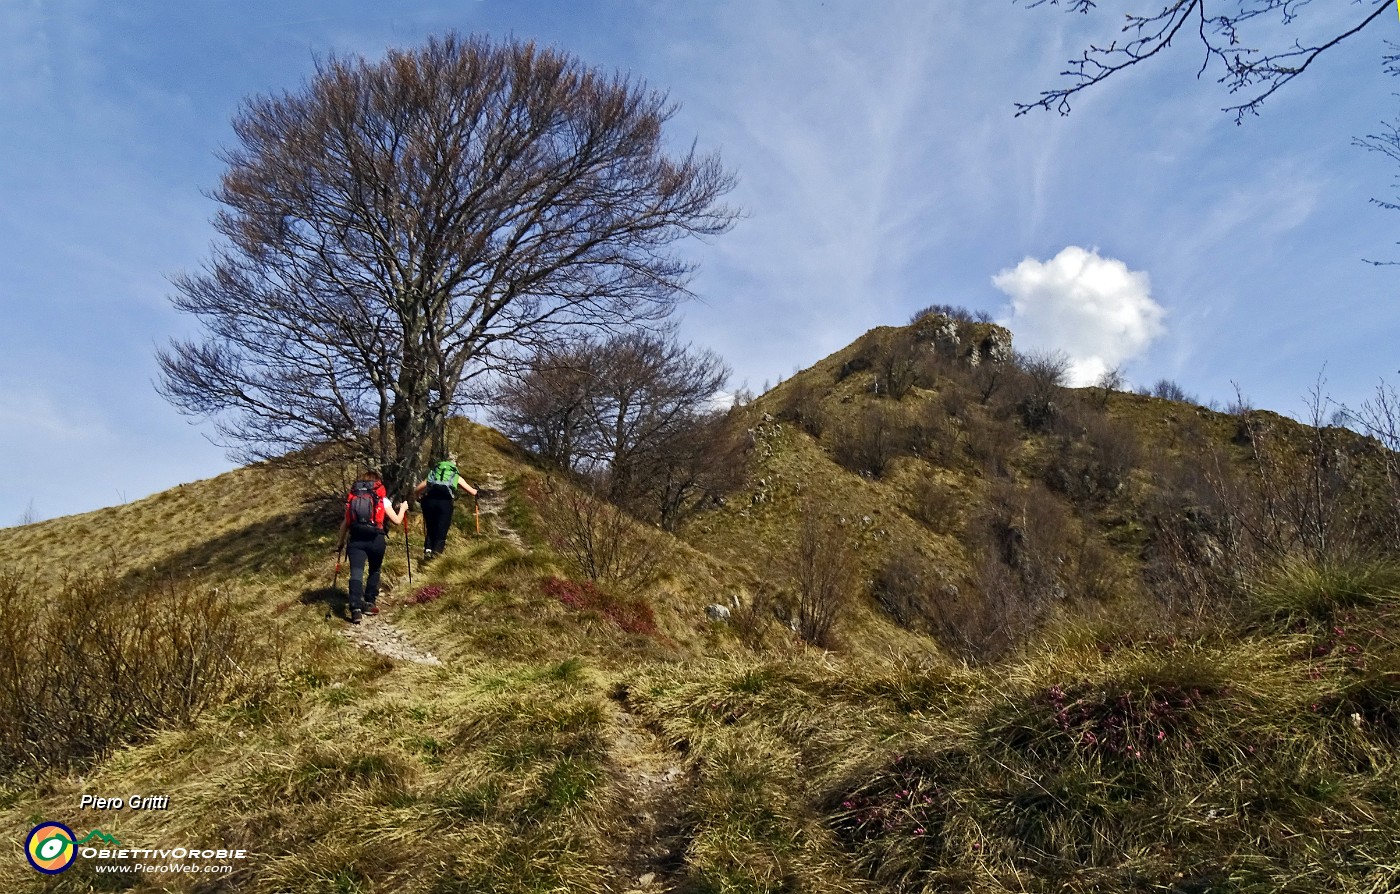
427	555
355	616
372	609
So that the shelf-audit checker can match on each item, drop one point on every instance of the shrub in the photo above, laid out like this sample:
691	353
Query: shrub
905	588
990	443
1166	389
898	368
803	406
1023	539
823	569
931	434
597	538
99	662
1043	375
954	312
870	441
1095	465
858	363
1194	554
936	505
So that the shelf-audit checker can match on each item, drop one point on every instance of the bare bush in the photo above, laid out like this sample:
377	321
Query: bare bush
1166	389
1022	536
601	541
1043	375
898	368
1110	381
931	434
955	312
824	573
859	363
870	441
97	663
1379	418
756	621
694	466
937	505
632	412
1096	464
990	443
988	379
906	586
1196	553
1300	498
803	406
1090	574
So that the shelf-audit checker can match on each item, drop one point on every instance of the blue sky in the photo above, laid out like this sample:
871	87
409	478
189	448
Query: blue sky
879	164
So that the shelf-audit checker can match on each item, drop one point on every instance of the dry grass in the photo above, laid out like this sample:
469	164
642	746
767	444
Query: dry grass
557	750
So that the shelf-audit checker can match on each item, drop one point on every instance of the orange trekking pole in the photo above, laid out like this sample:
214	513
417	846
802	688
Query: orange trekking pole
408	556
476	510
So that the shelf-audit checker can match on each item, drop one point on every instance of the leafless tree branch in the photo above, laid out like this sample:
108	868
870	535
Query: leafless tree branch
398	229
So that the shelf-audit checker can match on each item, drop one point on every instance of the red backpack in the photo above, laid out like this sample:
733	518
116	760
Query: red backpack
364	507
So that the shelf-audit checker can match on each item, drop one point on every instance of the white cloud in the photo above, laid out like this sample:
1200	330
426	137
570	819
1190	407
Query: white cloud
1093	308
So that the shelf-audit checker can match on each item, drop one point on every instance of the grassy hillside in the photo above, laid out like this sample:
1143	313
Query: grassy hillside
1009	698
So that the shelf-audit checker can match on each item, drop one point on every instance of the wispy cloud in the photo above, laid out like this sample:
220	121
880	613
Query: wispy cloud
25	67
29	416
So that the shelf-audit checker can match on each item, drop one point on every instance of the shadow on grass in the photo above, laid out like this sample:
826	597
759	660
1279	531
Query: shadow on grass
284	544
335	599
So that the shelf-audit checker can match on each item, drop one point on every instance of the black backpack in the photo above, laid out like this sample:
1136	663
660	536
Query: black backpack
364	507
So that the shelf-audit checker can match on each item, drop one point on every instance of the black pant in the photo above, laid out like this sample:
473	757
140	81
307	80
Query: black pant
362	552
437	518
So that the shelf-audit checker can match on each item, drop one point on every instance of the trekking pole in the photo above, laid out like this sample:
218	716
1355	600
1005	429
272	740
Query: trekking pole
476	510
407	553
335	579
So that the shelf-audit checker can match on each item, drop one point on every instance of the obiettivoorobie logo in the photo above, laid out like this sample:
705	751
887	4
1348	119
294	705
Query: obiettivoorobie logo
51	847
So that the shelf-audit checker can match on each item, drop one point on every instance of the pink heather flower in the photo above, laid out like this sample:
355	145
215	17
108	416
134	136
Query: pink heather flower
919	831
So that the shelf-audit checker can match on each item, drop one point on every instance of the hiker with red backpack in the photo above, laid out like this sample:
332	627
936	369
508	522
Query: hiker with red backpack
436	494
362	532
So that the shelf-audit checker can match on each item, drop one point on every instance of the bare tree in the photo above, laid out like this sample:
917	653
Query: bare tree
1379	418
1387	142
30	514
396	230
650	388
633	411
1251	72
545	407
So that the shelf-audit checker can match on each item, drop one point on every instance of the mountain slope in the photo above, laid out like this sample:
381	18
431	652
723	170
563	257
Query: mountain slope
610	737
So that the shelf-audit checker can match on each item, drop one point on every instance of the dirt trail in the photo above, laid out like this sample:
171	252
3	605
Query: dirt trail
492	503
378	635
383	638
651	775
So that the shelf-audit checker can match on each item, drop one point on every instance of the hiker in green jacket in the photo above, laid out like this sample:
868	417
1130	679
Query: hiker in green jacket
437	494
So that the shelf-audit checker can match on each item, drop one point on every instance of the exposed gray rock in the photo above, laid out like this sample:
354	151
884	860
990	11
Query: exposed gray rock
717	612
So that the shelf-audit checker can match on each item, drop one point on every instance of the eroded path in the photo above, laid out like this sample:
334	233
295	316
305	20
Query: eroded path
378	635
651	774
382	638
